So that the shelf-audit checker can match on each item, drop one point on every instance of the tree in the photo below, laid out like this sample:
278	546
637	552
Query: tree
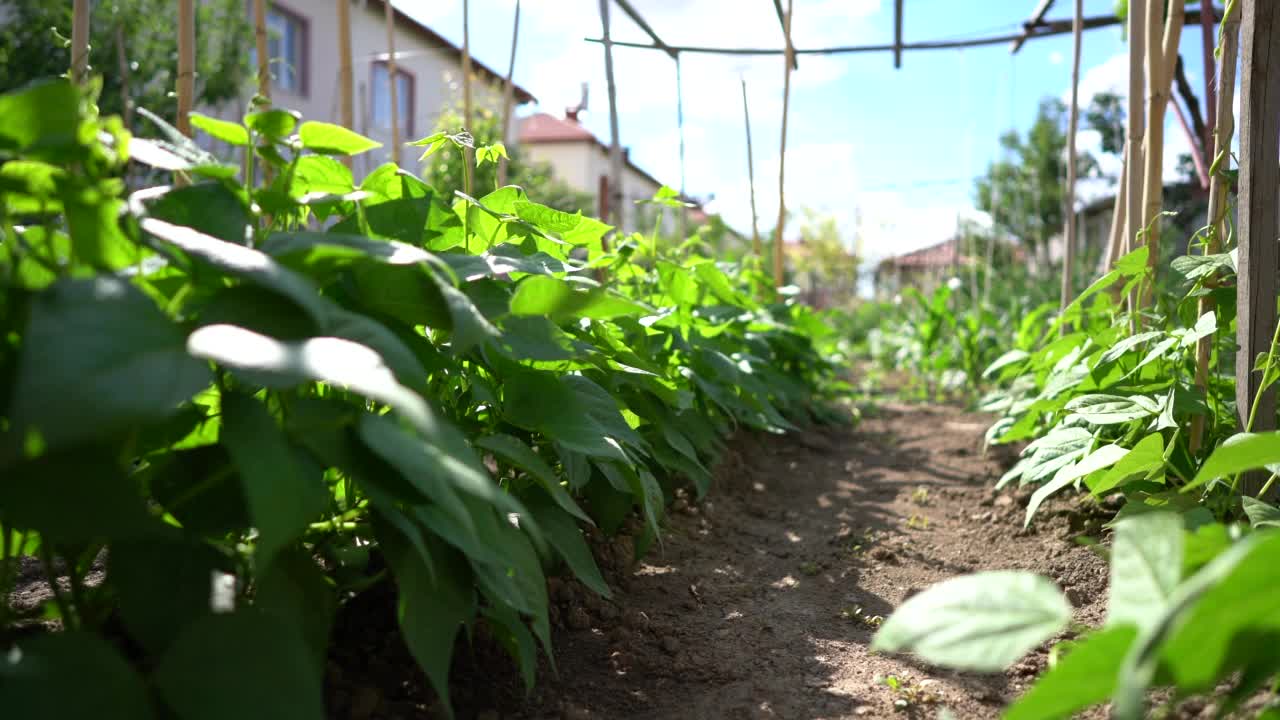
133	49
1025	195
1105	115
828	264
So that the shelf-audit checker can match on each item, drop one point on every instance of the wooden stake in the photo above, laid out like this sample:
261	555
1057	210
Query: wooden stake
393	89
1218	182
615	147
1259	222
260	40
782	154
186	64
344	71
1161	57
79	41
1116	239
756	246
1073	120
468	154
1134	132
508	96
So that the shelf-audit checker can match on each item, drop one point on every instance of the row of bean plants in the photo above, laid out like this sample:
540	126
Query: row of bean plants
1104	403
249	402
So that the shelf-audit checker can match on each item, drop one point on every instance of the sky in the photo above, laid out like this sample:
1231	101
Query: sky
891	154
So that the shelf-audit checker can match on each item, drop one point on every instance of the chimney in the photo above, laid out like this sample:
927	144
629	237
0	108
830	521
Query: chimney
572	113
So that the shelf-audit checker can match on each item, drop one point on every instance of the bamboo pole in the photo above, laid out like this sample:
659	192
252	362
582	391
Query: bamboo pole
782	152
393	90
468	154
1073	121
1161	57
1134	133
756	246
1218	183
79	41
344	71
508	96
260	44
614	189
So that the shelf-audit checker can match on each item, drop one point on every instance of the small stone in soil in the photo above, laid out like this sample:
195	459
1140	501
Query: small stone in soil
578	619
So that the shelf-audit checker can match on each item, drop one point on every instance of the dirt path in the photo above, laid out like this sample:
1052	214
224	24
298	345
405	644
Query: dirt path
761	602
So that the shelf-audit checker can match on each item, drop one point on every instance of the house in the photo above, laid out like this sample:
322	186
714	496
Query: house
581	160
303	41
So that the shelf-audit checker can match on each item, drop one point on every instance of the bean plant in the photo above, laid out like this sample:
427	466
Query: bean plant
229	406
1106	402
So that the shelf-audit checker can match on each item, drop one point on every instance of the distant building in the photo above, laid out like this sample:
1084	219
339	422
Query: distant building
303	42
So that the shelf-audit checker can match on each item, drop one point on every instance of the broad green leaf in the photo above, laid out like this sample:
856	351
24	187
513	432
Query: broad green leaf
430	610
565	536
1145	458
316	176
1240	452
276	364
1103	457
983	622
1239	606
1260	513
41	119
242	262
36	495
228	132
330	139
296	589
98	338
1086	676
283	493
274	124
546	218
558	299
1112	409
1005	360
1146	565
245	664
70	676
516	452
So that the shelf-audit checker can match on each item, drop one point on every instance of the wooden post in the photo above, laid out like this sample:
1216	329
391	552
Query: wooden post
1134	132
346	107
1218	182
756	246
1259	224
260	44
779	231
468	154
186	64
1073	120
79	41
508	96
614	204
1161	57
393	90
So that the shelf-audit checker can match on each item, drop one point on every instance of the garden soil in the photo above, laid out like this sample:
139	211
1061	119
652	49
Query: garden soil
761	601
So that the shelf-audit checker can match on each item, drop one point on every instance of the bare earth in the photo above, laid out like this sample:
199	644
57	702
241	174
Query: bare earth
762	601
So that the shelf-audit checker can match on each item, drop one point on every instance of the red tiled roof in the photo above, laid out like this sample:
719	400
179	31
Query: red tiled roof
542	128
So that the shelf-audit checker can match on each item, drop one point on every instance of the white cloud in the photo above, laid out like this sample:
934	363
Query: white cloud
1055	58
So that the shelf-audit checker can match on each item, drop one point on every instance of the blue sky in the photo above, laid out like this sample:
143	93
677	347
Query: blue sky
890	153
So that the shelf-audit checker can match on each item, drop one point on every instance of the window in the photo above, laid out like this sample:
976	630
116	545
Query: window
287	48
382	99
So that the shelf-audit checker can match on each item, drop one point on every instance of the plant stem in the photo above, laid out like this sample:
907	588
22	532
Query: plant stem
1270	481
